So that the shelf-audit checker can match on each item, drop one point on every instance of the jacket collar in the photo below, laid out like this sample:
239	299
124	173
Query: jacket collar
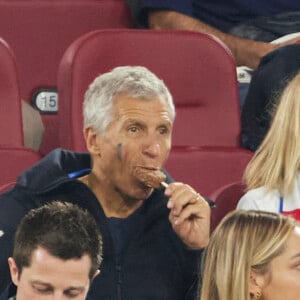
53	169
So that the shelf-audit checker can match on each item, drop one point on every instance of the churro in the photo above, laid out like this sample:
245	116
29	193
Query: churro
153	178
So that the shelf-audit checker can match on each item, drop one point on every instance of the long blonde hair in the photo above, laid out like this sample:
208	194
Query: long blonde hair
243	241
276	162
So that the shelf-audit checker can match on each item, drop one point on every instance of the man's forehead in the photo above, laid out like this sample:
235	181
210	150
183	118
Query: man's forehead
123	97
124	103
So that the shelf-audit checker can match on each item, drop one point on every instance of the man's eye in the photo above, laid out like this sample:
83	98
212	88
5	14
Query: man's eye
43	290
133	129
73	293
163	130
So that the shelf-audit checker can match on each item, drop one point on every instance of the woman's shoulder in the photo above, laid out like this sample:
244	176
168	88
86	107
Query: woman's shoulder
259	198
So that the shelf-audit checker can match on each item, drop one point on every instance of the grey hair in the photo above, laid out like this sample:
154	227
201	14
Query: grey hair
134	81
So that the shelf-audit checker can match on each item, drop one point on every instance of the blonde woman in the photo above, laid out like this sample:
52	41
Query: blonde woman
272	176
253	255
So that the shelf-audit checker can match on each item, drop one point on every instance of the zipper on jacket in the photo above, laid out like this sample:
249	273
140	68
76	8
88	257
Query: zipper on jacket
119	281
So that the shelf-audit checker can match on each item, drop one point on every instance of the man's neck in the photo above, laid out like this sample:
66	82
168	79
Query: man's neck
114	203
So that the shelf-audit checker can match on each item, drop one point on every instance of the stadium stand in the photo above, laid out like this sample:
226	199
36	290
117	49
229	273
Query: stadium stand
14	156
11	129
39	31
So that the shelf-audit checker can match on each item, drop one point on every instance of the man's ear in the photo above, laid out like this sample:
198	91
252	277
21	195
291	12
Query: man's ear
256	283
92	140
96	274
14	272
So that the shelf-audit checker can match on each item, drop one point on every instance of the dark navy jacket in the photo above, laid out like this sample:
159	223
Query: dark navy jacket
268	82
154	265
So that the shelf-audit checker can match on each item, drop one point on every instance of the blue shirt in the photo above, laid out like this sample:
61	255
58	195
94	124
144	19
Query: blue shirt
224	14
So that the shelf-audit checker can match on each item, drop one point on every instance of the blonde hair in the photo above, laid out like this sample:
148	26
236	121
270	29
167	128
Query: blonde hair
243	241
276	162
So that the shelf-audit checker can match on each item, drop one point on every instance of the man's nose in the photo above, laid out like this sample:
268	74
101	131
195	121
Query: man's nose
58	296
152	148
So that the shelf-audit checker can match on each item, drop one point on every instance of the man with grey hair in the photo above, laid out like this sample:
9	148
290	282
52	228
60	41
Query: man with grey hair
153	228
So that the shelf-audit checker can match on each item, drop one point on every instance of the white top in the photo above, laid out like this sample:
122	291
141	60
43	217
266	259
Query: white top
262	199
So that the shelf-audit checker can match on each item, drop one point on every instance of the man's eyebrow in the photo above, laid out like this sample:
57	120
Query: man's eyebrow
138	122
297	255
78	288
166	123
134	122
40	282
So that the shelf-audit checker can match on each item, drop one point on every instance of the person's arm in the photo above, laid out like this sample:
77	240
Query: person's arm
246	52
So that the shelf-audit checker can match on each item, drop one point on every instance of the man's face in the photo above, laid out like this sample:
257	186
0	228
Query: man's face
49	277
140	135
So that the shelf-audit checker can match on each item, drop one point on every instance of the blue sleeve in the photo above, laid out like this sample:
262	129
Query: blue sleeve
181	6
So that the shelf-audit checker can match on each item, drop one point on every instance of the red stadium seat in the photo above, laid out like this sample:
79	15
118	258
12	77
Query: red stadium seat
39	31
11	129
7	186
198	69
13	161
226	199
208	168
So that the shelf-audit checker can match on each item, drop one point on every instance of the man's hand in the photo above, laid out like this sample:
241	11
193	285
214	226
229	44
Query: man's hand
189	215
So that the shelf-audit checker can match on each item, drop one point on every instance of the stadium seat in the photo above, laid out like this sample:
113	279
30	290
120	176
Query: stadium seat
39	31
11	129
14	160
198	69
226	199
208	168
6	186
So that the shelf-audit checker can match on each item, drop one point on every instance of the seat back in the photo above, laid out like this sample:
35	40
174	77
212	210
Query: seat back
226	199
14	160
39	31
198	69
11	129
6	187
208	168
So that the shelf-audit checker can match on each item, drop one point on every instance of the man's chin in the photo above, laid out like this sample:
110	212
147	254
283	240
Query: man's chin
137	193
144	192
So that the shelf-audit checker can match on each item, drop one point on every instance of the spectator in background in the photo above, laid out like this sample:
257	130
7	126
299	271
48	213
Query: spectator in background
246	27
134	8
272	176
267	84
253	255
152	236
57	253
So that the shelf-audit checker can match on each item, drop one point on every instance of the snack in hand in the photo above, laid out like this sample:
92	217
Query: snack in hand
150	177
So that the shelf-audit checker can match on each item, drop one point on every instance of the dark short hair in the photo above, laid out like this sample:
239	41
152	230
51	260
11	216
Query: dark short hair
63	229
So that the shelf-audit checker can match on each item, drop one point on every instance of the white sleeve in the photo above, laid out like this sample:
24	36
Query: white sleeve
247	202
